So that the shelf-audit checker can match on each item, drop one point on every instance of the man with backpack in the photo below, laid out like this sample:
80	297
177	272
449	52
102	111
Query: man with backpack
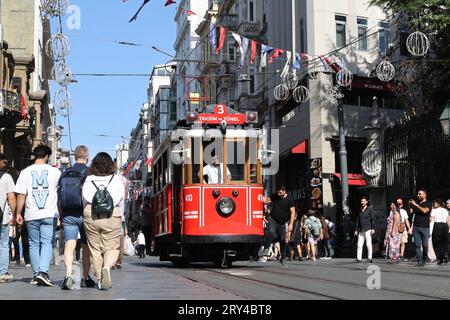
7	203
70	203
315	230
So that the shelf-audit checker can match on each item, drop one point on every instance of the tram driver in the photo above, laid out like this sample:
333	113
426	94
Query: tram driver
214	172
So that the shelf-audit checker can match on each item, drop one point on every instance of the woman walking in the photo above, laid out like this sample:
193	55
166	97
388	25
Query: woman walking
103	230
392	240
439	230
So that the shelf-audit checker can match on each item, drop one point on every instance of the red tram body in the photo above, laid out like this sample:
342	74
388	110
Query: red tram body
193	221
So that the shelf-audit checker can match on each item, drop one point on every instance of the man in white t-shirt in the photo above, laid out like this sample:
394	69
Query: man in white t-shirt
7	203
214	172
37	191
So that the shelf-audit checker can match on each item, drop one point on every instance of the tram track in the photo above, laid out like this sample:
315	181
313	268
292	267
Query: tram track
263	282
351	284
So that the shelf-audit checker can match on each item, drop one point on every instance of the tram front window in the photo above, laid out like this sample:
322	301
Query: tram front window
213	172
236	156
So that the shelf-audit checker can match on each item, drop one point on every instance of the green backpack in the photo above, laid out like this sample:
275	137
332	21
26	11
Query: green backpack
103	203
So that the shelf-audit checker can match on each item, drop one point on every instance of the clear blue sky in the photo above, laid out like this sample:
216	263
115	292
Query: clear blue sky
111	105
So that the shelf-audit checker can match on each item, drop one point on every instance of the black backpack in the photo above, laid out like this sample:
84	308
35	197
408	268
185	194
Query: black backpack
103	203
69	191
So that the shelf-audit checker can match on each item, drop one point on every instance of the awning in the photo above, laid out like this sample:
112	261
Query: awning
301	148
354	179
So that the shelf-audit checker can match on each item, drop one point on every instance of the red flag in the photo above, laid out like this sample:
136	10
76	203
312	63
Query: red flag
223	33
252	59
276	54
191	13
22	105
169	2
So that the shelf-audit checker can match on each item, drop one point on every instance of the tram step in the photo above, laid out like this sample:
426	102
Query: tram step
173	255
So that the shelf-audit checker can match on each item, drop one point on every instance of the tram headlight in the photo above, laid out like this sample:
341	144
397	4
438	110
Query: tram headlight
225	207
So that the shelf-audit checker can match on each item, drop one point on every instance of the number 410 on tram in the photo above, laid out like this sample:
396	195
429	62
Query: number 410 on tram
207	203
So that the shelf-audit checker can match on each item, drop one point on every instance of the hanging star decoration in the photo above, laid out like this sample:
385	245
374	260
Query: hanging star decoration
333	94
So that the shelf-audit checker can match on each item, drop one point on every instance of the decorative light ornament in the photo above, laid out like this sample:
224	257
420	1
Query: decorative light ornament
344	77
333	94
385	71
417	44
62	73
301	94
63	101
53	8
281	92
57	47
290	79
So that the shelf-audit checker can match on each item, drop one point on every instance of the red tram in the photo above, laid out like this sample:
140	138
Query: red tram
202	215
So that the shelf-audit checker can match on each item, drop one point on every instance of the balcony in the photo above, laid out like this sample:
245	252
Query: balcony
250	29
230	21
9	100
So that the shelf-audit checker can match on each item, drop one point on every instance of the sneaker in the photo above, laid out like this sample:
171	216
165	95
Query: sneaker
43	279
420	263
446	260
262	259
358	261
106	279
87	283
283	263
9	276
369	261
28	265
3	278
67	283
34	281
327	258
440	262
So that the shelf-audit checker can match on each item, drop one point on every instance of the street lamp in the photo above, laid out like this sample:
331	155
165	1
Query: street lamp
445	120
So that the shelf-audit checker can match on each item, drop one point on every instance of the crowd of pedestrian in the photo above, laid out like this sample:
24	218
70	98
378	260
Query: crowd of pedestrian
87	204
289	234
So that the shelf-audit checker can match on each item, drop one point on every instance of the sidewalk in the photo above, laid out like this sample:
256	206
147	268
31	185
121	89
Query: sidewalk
139	279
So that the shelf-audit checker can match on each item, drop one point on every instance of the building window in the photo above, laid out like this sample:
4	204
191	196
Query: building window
231	50
302	36
231	95
341	39
383	34
173	111
362	34
251	11
252	82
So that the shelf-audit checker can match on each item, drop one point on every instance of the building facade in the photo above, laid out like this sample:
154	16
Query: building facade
25	81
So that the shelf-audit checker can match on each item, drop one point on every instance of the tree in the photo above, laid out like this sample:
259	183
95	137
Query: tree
431	17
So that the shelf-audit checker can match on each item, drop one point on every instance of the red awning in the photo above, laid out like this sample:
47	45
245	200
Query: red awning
354	179
301	148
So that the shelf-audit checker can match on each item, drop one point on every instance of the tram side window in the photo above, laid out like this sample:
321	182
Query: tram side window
196	159
236	159
252	149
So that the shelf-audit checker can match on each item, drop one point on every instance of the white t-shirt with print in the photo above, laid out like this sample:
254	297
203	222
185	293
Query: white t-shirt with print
213	173
6	186
115	189
39	182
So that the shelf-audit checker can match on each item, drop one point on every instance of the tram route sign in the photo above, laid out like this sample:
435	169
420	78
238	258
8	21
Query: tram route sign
221	114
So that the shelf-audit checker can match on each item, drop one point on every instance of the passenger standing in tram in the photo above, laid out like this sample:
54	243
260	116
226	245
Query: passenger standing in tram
214	172
103	199
283	211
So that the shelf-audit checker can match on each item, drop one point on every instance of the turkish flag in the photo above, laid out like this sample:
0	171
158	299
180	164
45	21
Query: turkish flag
22	106
169	2
190	13
276	54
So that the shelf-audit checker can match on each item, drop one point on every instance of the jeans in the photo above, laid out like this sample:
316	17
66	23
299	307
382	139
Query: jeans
72	225
421	237
42	235
4	248
327	247
276	231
